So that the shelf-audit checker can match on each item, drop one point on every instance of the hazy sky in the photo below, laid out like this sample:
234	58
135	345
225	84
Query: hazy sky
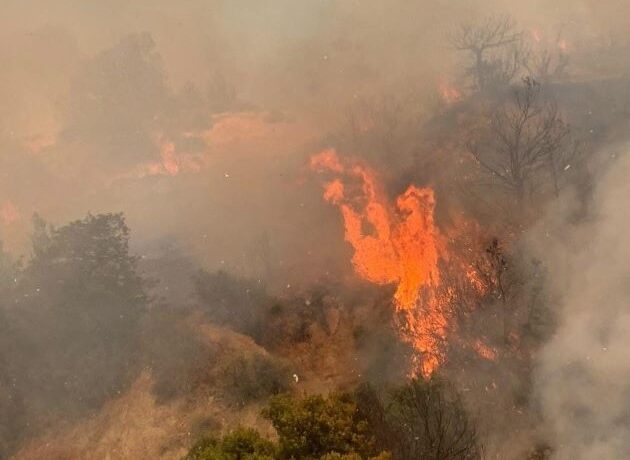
88	112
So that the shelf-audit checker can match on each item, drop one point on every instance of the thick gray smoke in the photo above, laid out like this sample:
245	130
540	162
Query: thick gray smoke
584	375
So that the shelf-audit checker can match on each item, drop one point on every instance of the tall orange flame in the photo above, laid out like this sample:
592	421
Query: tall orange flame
393	244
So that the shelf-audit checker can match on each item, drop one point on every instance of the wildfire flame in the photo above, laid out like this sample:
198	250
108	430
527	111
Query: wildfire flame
393	244
485	351
8	213
563	45
537	35
170	162
449	93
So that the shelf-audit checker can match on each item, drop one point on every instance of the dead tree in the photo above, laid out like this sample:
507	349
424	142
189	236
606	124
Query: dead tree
492	270
525	137
547	65
383	128
431	423
496	48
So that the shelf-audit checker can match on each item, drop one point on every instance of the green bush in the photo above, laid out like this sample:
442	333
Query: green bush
314	426
308	428
355	456
241	444
422	419
250	378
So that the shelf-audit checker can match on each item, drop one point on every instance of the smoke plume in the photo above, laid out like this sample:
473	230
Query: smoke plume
584	372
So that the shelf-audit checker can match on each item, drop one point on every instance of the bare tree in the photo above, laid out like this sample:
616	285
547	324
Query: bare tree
525	136
382	128
422	419
432	423
491	269
496	48
545	65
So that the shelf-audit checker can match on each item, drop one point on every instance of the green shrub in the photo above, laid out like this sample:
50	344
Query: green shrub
249	378
355	456
314	426
241	444
422	419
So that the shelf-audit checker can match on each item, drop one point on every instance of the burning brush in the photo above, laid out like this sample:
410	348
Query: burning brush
397	244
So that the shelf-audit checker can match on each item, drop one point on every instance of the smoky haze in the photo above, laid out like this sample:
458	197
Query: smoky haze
89	90
582	373
196	120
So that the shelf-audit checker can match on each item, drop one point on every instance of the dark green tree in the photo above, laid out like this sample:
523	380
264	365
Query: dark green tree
241	444
12	421
314	426
74	312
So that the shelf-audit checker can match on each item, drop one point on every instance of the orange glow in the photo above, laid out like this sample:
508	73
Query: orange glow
8	213
536	35
393	244
449	93
472	276
169	160
563	45
36	144
484	350
238	132
230	134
